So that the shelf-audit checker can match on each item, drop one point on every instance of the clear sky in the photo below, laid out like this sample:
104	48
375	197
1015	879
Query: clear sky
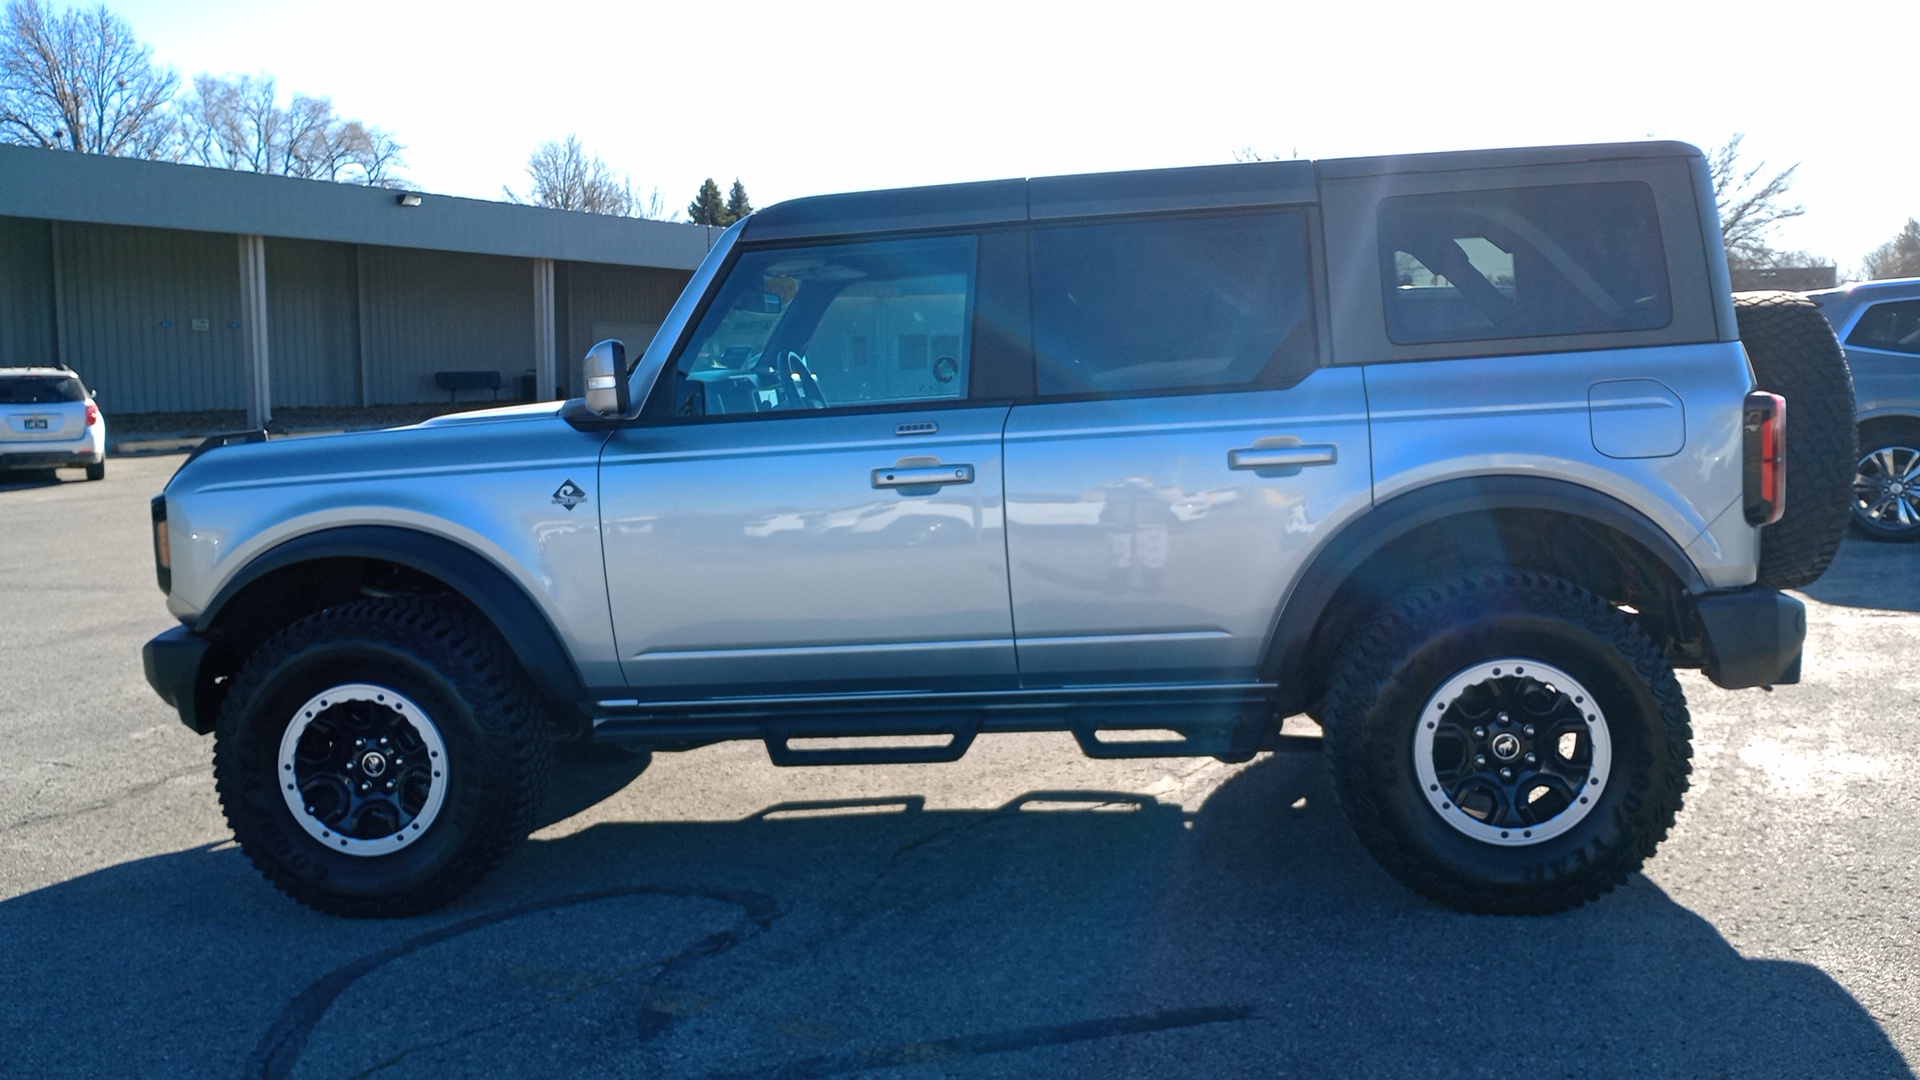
800	98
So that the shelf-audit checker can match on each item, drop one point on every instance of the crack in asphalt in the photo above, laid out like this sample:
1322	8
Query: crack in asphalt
962	1047
131	793
278	1051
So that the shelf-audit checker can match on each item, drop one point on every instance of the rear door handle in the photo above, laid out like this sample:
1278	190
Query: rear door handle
900	476
1282	457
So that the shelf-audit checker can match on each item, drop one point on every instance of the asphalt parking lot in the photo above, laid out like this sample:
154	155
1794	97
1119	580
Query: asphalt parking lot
1022	913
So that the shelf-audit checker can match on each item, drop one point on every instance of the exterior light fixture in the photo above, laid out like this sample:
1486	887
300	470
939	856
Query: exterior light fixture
407	198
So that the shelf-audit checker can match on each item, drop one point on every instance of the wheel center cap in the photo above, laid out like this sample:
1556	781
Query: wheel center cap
1506	746
373	763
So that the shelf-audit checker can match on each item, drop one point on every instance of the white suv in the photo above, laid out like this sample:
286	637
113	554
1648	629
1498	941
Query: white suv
48	420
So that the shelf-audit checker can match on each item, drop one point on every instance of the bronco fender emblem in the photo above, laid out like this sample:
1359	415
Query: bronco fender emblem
570	495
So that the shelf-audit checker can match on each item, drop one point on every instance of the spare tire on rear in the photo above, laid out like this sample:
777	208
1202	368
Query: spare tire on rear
1794	354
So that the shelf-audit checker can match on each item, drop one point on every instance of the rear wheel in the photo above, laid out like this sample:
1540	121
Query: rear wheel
1507	742
97	470
1886	482
377	759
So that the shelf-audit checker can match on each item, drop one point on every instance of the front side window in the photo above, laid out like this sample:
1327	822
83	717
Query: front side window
1891	327
1523	262
1172	304
833	325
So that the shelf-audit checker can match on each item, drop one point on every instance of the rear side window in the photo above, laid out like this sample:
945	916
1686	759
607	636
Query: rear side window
39	390
1171	304
1891	327
1523	262
833	325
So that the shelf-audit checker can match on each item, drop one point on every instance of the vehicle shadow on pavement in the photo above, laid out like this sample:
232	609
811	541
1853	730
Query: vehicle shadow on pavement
1870	574
28	479
1065	934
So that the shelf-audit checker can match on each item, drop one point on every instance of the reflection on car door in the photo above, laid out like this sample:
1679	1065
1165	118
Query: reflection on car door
1195	455
783	554
1152	539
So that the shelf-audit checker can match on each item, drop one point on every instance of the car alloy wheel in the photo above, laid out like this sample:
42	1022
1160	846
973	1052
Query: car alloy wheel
363	769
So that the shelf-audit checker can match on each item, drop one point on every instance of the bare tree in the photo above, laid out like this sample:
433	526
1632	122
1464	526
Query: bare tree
566	177
238	122
1751	205
79	80
1898	257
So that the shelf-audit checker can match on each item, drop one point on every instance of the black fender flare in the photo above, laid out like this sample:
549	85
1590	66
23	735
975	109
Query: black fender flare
1289	644
521	623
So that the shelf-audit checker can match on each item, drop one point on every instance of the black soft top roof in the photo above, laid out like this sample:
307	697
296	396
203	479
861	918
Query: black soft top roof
1204	187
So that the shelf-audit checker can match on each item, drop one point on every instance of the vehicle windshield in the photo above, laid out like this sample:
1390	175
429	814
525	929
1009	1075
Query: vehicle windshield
39	389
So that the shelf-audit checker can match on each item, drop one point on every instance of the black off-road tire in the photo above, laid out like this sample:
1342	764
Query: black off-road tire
452	668
1390	672
1885	443
1794	354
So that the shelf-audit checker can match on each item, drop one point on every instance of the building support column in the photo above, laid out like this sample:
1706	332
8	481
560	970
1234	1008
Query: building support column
545	362
253	328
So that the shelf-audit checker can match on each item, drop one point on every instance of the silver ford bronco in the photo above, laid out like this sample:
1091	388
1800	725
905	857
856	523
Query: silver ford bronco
1458	455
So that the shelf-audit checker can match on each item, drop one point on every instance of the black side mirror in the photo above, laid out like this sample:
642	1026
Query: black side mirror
608	393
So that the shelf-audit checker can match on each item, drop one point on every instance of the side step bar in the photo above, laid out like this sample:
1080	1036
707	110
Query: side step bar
1231	722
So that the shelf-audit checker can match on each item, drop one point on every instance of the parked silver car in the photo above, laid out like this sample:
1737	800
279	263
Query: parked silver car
1458	454
1879	323
49	420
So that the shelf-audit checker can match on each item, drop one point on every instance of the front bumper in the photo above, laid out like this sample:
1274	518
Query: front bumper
173	662
1754	636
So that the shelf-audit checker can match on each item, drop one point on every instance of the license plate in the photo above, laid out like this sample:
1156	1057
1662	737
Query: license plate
36	423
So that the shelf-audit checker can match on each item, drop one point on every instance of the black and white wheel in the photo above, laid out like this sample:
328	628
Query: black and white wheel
376	759
1886	483
1507	742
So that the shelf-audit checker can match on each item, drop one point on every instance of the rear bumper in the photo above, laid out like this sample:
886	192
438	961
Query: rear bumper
51	458
172	662
1754	636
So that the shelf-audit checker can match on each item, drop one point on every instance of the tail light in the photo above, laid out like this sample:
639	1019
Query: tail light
1765	427
93	414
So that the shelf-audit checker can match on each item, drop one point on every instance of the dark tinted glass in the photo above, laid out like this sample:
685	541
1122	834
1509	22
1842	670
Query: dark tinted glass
1891	327
1172	304
39	390
833	325
1522	262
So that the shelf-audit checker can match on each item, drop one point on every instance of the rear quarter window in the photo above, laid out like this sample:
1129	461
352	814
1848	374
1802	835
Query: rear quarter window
1523	262
1893	327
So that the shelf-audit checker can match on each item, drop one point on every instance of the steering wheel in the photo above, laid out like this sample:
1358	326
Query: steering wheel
796	379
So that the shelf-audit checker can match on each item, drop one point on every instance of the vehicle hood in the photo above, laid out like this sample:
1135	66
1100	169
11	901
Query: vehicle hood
504	412
462	443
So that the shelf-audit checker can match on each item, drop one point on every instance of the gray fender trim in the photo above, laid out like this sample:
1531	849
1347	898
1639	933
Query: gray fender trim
1288	647
520	622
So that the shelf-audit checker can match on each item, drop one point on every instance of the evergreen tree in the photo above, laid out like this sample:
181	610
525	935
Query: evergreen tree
737	204
706	207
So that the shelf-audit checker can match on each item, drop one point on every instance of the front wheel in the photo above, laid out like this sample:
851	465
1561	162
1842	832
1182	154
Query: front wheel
1507	743
376	759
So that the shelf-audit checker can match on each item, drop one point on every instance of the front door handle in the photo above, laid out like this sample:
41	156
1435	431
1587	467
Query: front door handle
1282	457
920	476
